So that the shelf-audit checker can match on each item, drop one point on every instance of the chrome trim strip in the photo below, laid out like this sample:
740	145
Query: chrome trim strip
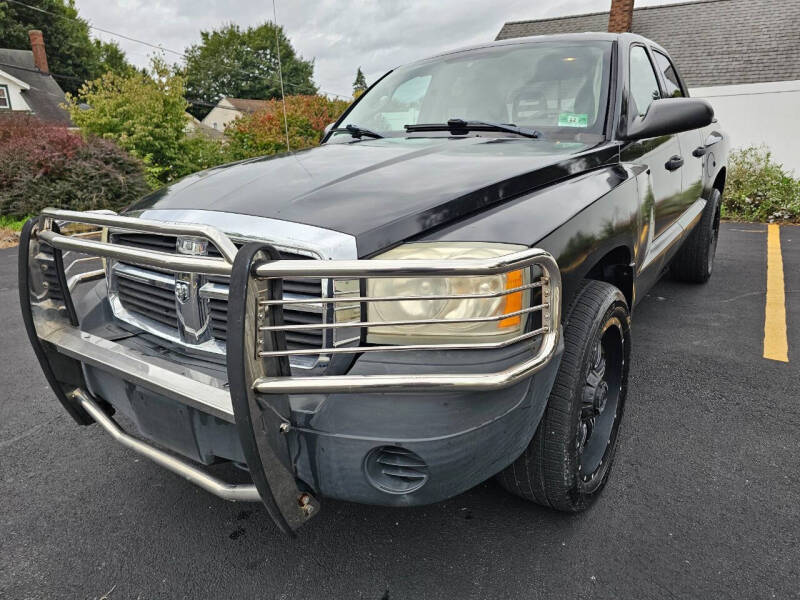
673	233
348	384
189	386
73	281
153	278
227	491
214	291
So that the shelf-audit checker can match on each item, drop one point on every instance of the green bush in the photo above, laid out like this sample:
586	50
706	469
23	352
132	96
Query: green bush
758	189
46	165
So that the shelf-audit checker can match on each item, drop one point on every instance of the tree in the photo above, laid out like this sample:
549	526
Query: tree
111	58
231	62
71	53
360	84
143	113
263	133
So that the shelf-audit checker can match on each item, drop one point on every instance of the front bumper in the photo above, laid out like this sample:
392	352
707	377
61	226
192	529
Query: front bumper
466	411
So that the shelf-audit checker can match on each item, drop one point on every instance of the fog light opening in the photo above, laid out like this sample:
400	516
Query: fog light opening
395	470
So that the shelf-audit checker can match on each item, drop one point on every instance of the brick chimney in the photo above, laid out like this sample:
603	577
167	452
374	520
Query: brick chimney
39	55
620	18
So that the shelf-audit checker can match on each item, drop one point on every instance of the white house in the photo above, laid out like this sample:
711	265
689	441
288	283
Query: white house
229	109
741	55
27	86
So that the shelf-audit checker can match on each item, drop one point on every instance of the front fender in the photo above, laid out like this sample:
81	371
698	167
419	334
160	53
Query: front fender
578	221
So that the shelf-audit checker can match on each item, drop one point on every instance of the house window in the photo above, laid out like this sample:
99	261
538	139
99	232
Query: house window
5	101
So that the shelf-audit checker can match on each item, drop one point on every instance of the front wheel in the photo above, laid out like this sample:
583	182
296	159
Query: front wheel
569	459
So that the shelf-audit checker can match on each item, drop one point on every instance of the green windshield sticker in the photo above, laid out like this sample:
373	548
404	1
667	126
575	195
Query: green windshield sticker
573	120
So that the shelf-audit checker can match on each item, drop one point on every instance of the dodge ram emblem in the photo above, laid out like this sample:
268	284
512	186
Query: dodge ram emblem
182	291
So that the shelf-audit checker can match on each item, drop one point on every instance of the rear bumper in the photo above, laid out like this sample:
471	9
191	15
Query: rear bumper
465	413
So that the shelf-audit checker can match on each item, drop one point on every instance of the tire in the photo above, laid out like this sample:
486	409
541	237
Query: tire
569	459
695	260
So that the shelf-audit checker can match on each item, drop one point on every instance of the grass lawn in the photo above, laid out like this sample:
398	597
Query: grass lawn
9	230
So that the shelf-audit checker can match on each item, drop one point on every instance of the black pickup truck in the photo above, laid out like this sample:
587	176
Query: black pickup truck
439	293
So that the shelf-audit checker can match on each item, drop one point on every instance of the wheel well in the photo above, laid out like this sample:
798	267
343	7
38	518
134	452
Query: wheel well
615	268
719	182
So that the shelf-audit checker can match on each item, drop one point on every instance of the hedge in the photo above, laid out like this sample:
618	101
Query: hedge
48	165
759	189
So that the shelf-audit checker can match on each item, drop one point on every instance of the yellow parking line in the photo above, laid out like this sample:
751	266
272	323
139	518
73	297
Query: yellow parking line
776	345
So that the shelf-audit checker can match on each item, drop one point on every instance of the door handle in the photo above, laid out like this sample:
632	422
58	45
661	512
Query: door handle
699	151
674	163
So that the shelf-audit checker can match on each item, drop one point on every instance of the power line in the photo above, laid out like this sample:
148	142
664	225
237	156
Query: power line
149	44
121	35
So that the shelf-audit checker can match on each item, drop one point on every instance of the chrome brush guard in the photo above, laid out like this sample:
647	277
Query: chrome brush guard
259	374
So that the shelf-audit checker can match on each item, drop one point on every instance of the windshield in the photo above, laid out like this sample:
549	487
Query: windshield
558	88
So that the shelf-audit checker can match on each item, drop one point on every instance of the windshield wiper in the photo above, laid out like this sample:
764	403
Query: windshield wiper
356	131
462	126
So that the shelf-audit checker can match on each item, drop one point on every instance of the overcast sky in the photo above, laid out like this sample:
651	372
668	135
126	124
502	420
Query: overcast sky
339	35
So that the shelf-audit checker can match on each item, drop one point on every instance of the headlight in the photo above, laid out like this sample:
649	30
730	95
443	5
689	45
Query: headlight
448	317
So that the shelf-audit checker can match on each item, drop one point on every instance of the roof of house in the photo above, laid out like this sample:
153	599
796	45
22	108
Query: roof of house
246	105
44	95
197	127
713	42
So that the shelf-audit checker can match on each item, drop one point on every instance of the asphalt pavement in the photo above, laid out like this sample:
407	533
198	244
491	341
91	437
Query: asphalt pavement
704	500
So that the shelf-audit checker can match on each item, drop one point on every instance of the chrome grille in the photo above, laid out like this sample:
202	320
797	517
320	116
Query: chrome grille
149	293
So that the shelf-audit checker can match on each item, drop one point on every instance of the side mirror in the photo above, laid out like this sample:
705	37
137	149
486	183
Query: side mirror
327	129
668	116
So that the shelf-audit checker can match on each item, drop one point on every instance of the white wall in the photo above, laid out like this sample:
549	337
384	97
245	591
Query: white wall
222	114
14	93
760	113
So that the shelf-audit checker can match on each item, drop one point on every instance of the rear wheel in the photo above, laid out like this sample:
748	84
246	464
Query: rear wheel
569	459
695	260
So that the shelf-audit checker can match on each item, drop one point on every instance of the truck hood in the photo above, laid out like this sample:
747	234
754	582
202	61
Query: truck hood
383	191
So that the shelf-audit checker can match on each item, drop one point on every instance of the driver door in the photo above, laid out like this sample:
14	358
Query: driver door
661	155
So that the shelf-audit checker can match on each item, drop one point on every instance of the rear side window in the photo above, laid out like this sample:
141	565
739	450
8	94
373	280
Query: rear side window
643	83
670	76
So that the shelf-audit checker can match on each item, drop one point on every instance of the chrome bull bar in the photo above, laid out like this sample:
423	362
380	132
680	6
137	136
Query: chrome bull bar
259	374
548	284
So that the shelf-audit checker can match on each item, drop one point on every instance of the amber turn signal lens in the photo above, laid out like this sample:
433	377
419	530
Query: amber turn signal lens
513	304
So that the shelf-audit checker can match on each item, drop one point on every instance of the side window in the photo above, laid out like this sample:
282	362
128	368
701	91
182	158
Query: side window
643	83
670	76
4	100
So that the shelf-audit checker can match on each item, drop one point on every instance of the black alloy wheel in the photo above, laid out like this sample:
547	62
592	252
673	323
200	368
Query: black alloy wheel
568	461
